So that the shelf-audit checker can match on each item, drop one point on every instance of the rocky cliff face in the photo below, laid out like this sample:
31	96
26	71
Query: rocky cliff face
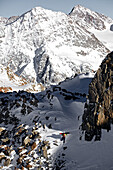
99	107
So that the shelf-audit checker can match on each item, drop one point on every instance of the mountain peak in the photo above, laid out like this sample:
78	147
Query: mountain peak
88	19
64	39
78	8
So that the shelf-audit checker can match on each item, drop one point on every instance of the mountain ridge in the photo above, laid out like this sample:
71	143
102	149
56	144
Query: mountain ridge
64	42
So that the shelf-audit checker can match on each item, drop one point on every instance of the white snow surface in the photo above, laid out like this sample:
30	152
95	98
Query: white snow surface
106	37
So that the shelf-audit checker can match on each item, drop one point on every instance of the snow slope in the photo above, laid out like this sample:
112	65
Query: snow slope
80	154
58	109
106	37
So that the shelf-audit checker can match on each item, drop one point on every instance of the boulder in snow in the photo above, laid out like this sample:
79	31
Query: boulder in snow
111	27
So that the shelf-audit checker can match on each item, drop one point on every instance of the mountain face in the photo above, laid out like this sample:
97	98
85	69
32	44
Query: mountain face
47	47
99	107
89	19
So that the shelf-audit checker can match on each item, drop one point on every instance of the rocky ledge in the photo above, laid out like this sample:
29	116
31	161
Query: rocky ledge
98	112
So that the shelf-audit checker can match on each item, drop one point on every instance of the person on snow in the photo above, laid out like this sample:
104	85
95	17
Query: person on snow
63	137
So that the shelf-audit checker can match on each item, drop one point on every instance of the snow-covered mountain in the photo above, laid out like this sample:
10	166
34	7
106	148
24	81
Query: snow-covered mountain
89	19
47	47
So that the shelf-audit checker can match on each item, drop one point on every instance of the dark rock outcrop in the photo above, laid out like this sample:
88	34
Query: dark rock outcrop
111	27
98	112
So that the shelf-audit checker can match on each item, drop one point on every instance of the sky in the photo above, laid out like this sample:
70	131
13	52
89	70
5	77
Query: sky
10	8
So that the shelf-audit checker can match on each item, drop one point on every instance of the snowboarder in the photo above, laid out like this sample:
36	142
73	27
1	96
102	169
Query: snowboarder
64	136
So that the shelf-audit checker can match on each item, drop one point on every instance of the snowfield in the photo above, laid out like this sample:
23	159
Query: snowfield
59	109
106	37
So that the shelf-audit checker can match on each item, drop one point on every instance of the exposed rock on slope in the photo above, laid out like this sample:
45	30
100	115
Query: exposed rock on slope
111	27
93	19
22	144
12	19
9	81
99	107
